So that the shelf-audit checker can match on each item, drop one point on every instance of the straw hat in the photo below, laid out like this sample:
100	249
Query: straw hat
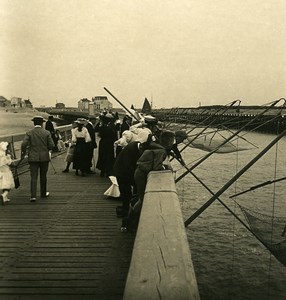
81	121
150	120
109	116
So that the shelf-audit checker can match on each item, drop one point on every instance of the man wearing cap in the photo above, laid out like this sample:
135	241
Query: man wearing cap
38	142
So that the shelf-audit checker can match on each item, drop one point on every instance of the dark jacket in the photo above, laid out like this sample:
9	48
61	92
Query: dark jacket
49	126
125	163
152	159
91	132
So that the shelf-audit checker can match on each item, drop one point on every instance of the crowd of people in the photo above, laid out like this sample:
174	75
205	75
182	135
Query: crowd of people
127	149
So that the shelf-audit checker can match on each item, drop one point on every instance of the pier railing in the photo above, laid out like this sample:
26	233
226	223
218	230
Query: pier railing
161	265
16	139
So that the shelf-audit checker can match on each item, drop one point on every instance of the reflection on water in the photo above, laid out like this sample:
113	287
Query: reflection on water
229	262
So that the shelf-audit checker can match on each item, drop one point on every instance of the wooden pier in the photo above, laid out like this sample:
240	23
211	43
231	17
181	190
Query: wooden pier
70	246
67	246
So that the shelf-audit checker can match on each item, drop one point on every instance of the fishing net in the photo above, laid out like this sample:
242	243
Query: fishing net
270	230
210	144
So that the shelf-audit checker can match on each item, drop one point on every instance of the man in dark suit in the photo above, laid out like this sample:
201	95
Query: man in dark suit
38	142
124	168
50	127
91	145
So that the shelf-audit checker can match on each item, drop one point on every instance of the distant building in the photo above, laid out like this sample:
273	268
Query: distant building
146	109
27	103
16	102
60	105
97	103
4	102
83	104
101	103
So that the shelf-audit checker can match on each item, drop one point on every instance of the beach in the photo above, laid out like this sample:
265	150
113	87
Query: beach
18	120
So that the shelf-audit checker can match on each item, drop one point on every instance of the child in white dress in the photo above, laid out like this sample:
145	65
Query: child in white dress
6	176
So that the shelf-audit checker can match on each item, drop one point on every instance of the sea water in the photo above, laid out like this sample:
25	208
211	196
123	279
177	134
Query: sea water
230	263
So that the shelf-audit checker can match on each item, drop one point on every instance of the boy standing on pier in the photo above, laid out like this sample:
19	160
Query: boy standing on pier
38	142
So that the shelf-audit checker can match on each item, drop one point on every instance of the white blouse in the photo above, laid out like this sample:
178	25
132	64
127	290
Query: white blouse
80	134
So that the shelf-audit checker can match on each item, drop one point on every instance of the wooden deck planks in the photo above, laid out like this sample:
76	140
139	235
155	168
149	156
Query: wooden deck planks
66	246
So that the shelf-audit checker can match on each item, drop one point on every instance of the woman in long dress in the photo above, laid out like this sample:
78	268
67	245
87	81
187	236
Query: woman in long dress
81	137
108	135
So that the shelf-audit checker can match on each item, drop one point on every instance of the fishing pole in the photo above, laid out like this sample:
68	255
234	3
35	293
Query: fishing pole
233	179
209	116
223	125
241	137
258	186
229	122
263	124
201	113
226	141
203	121
255	128
245	114
168	114
251	130
206	127
238	137
227	208
121	104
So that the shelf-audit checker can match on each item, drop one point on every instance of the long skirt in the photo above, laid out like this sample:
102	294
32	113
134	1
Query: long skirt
80	156
6	178
106	155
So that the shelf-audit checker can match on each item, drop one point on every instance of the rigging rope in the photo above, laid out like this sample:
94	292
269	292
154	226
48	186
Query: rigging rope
273	213
268	228
235	212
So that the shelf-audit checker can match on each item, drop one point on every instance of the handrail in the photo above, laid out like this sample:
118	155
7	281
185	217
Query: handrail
161	265
17	138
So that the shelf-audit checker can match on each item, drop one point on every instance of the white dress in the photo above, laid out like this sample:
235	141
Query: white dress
6	176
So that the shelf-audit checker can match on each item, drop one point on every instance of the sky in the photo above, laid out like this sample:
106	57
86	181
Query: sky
182	53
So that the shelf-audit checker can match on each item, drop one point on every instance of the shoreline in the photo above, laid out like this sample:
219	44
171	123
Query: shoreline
17	120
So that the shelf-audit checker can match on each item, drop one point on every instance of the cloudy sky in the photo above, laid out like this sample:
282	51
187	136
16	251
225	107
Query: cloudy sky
175	53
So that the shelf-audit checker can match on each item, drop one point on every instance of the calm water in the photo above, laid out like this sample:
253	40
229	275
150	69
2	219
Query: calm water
229	262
